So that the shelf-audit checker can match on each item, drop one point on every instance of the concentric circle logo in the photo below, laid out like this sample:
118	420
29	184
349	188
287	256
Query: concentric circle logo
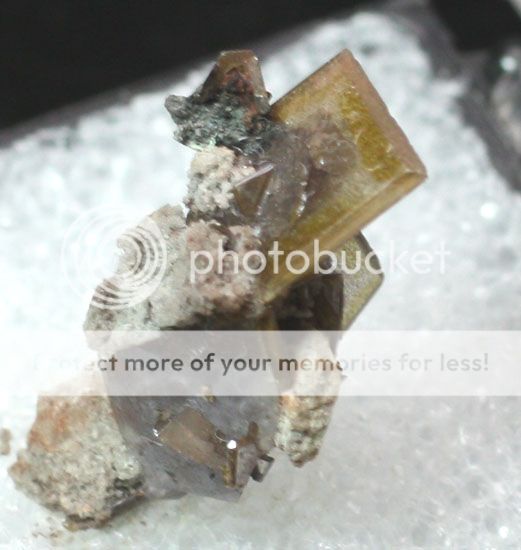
103	253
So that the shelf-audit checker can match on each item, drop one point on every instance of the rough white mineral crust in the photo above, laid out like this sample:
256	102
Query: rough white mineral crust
76	461
183	297
213	173
306	409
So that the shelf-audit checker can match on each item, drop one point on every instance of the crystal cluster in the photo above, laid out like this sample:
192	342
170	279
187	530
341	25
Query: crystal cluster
318	164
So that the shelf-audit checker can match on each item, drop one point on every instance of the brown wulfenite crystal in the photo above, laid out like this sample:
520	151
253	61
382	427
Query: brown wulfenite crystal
319	164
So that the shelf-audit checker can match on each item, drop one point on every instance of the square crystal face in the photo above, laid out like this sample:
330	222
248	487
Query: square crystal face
367	160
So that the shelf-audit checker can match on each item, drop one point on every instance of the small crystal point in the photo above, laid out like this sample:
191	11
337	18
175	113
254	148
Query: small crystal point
237	72
227	109
249	192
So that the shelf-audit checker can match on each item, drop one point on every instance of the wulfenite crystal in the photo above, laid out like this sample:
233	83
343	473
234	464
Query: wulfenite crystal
319	164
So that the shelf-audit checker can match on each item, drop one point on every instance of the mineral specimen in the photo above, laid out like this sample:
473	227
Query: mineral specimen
76	461
316	166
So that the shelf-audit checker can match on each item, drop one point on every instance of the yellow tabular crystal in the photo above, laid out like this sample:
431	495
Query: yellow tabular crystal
385	167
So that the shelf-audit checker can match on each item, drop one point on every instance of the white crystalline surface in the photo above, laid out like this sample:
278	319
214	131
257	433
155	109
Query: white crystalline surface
393	473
